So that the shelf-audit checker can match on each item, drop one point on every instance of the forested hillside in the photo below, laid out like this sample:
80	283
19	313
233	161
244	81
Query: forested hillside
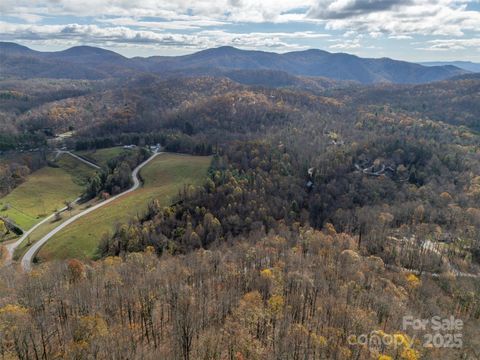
455	102
295	294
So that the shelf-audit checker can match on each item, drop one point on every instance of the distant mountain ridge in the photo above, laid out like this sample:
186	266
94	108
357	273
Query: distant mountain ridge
86	62
465	65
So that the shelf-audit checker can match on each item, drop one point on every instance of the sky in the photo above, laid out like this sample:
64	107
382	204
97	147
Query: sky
412	30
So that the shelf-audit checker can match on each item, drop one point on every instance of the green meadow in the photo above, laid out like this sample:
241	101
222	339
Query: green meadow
163	178
45	191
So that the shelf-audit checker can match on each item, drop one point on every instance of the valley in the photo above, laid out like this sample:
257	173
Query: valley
163	179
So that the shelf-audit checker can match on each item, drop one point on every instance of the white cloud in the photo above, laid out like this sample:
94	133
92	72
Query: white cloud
400	37
204	23
340	9
393	17
193	23
398	17
347	44
93	34
452	44
233	10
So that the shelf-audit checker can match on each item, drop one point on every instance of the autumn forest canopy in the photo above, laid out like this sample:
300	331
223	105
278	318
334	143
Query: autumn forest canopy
334	204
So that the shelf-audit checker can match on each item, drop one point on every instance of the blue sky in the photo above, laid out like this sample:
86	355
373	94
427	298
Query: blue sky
414	30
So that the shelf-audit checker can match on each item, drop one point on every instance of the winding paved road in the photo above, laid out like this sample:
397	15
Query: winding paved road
30	254
11	247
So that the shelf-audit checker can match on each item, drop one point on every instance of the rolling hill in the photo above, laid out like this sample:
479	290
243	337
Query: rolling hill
85	62
465	65
456	101
338	66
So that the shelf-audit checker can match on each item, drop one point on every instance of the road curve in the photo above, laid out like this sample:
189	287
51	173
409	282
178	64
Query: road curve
30	254
11	247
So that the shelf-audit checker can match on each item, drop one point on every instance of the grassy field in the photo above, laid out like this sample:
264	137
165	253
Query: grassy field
79	171
163	178
101	156
45	191
47	227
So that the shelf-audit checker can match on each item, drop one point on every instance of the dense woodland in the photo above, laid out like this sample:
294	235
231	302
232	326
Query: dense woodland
293	294
324	213
116	177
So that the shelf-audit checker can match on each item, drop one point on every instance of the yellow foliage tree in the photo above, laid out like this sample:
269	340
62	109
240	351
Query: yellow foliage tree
330	229
266	273
385	357
275	304
413	280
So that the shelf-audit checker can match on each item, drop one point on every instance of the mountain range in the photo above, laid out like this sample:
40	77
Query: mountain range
465	65
86	62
